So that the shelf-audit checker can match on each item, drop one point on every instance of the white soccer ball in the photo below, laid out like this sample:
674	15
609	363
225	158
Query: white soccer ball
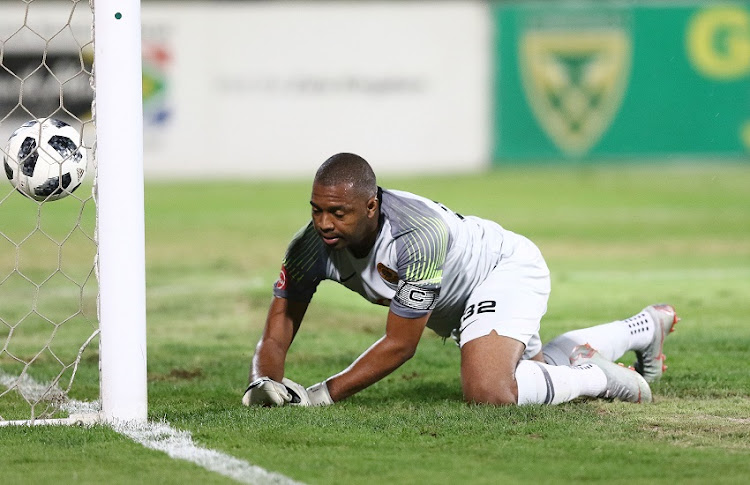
44	160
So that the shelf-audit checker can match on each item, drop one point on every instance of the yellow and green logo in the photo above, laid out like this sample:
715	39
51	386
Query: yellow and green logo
718	42
574	81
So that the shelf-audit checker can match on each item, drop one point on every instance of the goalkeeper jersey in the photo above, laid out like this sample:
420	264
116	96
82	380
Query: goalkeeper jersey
425	258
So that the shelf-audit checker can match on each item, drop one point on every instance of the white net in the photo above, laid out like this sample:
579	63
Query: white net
48	287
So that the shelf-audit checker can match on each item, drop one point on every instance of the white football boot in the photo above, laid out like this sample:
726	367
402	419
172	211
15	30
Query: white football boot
623	383
650	361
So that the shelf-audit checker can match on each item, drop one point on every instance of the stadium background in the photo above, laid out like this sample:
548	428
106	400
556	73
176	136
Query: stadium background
269	89
425	86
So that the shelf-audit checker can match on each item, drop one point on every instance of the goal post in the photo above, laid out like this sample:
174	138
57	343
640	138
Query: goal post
120	218
73	271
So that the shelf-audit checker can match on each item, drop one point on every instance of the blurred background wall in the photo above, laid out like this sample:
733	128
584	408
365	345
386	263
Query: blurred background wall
275	88
271	89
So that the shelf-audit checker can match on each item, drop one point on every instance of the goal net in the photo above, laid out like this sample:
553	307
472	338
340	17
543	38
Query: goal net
55	259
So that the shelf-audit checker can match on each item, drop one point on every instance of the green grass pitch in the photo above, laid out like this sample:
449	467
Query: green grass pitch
616	239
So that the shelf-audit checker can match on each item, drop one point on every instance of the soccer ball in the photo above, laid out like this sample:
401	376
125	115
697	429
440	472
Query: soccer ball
43	159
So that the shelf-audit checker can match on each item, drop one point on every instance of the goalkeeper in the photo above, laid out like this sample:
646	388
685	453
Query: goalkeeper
461	276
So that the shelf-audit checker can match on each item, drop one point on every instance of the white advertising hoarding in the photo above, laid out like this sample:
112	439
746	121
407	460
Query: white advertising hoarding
274	89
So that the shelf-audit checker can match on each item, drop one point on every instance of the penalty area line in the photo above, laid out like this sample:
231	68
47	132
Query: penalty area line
177	444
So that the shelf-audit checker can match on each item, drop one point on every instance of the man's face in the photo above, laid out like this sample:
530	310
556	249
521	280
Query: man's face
344	218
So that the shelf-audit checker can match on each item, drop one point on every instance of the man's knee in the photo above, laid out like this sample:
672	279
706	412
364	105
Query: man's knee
496	394
488	366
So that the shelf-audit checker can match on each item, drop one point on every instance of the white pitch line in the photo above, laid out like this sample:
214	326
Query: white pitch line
179	445
30	389
175	443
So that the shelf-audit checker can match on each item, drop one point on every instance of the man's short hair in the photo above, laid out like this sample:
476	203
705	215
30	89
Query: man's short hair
348	168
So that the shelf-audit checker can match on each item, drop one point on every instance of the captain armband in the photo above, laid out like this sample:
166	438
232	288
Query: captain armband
415	297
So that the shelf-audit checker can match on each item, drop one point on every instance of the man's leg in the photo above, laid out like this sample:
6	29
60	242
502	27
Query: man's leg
491	373
499	327
644	333
488	369
501	323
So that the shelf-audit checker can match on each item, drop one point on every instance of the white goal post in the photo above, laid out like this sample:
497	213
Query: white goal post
118	197
120	219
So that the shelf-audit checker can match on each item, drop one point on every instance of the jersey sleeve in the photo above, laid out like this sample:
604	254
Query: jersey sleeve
303	267
421	253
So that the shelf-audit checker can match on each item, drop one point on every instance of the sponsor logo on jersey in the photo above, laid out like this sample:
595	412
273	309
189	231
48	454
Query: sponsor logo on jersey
389	275
575	73
281	282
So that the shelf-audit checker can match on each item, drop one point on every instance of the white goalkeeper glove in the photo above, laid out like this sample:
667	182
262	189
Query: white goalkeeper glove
315	395
266	392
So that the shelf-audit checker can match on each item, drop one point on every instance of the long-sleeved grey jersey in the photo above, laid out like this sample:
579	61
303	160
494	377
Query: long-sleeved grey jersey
426	258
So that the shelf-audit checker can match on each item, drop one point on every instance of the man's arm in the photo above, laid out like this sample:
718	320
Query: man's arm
283	321
397	346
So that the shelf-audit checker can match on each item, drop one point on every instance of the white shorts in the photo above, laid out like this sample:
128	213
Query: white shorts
511	301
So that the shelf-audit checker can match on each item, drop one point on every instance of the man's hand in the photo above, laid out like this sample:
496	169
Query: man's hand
266	392
315	395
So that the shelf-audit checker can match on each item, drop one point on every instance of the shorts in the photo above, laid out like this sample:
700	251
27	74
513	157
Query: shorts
511	301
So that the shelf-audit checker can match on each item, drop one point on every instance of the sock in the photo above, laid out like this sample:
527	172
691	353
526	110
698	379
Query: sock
548	384
612	340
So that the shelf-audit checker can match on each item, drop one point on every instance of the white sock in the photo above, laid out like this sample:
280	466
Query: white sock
548	384
612	340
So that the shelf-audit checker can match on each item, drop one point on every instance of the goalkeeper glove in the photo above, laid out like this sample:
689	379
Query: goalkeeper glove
266	392
315	395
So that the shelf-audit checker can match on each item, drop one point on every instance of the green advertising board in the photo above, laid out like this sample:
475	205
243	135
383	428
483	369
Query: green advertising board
621	81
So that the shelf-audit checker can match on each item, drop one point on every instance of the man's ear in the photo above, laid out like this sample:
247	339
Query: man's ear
372	206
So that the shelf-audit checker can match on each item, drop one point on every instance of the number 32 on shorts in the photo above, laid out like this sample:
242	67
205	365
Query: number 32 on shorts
487	306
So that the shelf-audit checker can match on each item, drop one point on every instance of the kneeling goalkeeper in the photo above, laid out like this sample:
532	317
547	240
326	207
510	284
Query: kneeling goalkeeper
463	277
